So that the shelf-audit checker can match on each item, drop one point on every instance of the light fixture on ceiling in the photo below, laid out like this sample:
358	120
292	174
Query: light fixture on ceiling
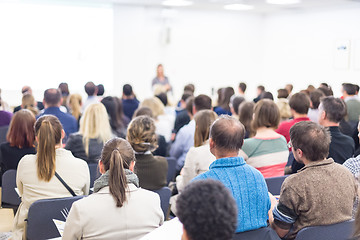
238	7
283	2
177	3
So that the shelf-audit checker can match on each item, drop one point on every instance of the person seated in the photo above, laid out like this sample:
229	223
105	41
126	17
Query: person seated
283	104
182	113
129	101
321	193
64	89
27	90
74	106
234	106
246	112
259	91
352	102
118	208
116	116
20	141
38	176
91	91
28	102
299	107
151	170
225	95
5	118
267	151
246	184
313	112
94	132
199	157
100	92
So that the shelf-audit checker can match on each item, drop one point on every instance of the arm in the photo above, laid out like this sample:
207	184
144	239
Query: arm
188	171
73	228
86	187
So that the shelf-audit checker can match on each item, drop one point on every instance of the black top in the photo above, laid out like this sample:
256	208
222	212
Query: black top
162	149
151	171
39	105
182	118
75	145
10	156
342	147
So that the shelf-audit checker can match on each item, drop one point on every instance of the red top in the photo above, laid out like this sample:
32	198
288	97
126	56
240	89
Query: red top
284	127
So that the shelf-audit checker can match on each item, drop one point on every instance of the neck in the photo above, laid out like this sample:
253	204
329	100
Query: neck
221	154
330	124
265	132
299	115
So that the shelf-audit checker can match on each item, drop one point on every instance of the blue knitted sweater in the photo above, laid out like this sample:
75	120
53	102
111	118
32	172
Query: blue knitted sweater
247	186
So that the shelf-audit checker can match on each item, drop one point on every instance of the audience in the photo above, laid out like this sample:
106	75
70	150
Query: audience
94	132
91	90
100	92
313	112
185	138
207	211
182	113
259	90
118	208
27	90
283	104
129	101
234	106
52	103
115	116
246	112
64	89
5	118
28	102
20	141
321	193
267	95
242	89
74	105
224	101
267	151
199	157
35	174
299	106
151	170
289	88
352	102
246	184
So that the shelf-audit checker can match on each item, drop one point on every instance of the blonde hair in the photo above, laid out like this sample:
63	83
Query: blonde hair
141	134
156	106
75	101
28	102
95	124
203	120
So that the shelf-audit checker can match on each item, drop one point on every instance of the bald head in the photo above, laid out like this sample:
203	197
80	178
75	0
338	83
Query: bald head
52	97
26	90
227	134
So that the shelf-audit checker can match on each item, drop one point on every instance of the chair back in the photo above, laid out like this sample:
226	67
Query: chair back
171	169
9	197
274	184
337	231
265	233
94	173
3	132
165	194
40	224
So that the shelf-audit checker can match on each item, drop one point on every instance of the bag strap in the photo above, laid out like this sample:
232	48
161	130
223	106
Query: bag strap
65	185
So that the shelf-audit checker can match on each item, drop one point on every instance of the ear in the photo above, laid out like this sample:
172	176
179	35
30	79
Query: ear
184	235
132	166
211	143
62	134
101	167
193	110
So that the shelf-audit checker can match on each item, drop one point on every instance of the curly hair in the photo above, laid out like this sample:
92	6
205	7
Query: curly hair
207	211
141	134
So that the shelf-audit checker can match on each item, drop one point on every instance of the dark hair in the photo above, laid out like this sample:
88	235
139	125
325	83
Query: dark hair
226	95
324	85
227	133
115	118
236	103
143	111
163	98
48	131
202	102
315	97
261	87
266	114
189	105
356	88
282	93
117	156
64	88
90	88
289	87
207	210
21	132
313	140
141	134
246	112
101	90
242	86
335	108
186	95
189	88
300	103
326	90
52	96
267	95
127	90
349	88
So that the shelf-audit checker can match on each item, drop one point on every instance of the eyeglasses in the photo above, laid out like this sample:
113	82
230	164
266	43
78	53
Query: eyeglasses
289	145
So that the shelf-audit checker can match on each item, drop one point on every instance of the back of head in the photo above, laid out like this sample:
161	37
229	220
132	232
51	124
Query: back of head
48	131
289	88
143	111
101	90
312	139
242	86
349	88
227	133
21	132
127	90
282	93
207	211
236	103
75	101
64	89
246	112
202	102
141	134
117	156
326	90
163	98
203	120
156	106
228	92
26	90
112	110
300	103
334	108
266	114
261	88
189	105
94	124
267	95
90	89
189	88
186	95
315	97
28	102
52	97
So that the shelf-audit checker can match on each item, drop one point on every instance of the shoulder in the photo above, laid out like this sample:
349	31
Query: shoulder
160	159
250	144
27	160
5	145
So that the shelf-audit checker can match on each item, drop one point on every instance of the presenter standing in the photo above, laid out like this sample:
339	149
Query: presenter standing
161	80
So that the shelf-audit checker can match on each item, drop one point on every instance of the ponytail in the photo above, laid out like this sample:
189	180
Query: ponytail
117	178
46	151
